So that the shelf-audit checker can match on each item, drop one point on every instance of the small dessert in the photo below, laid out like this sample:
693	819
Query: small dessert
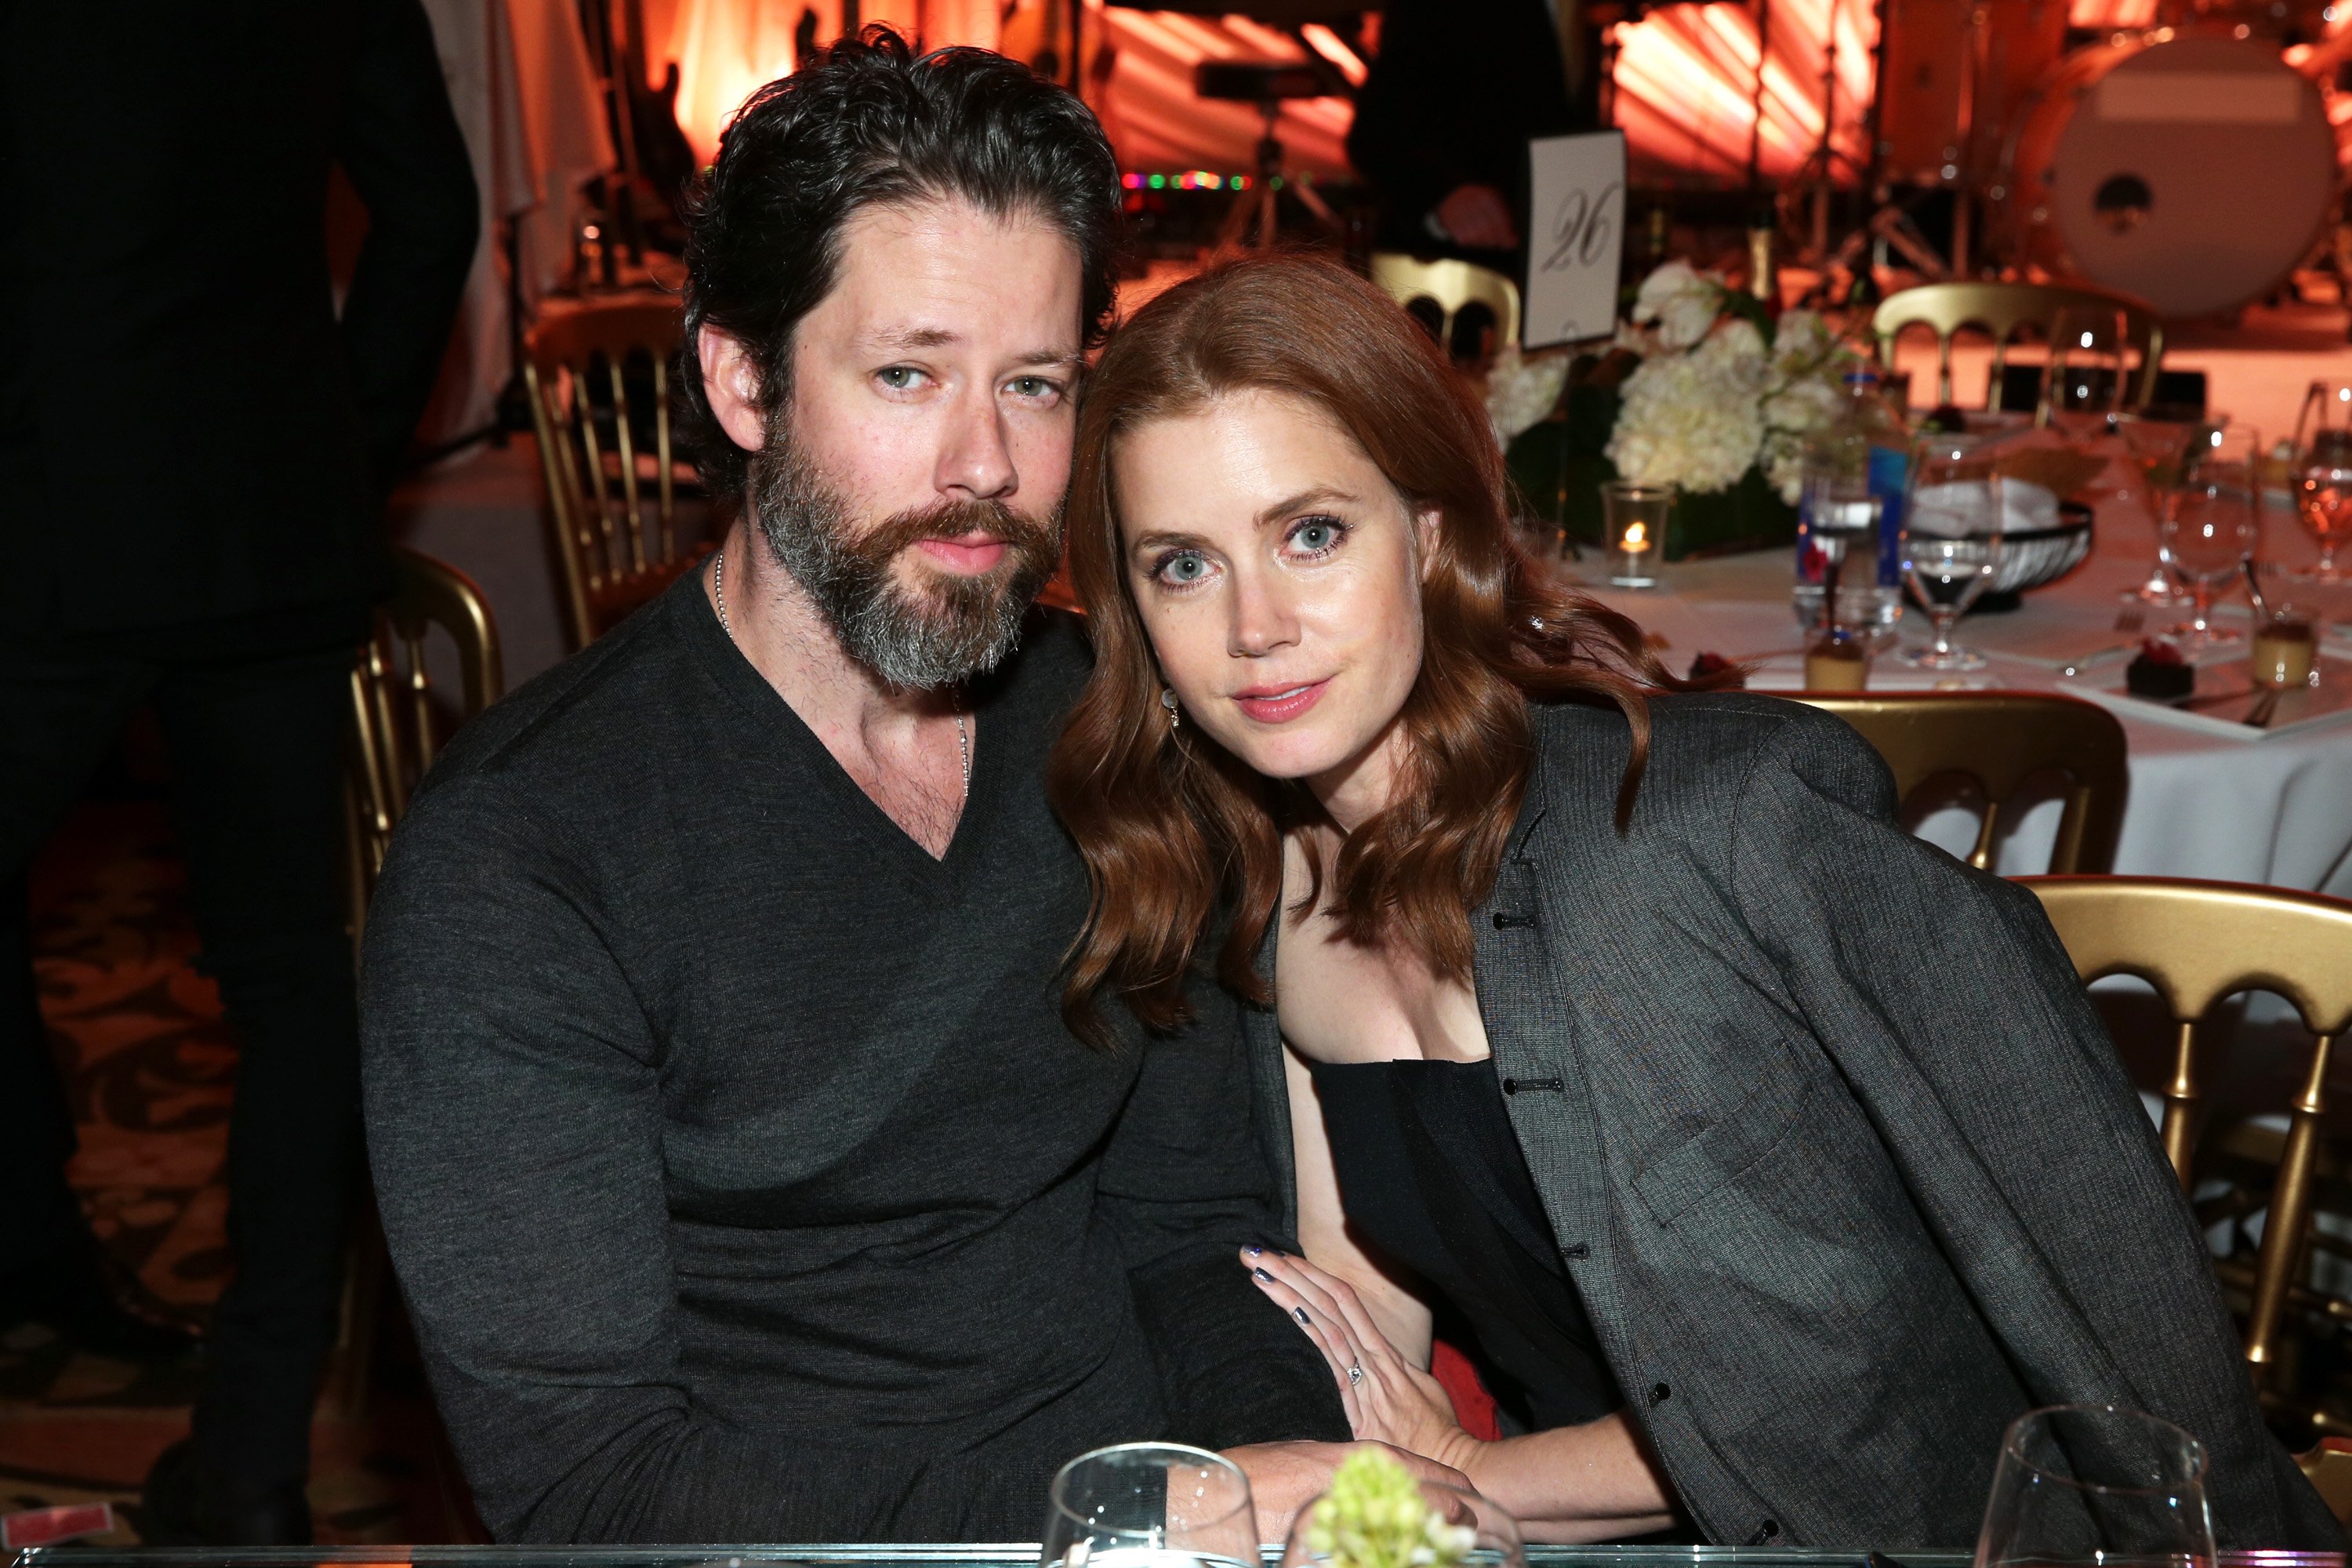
2284	646
1836	661
2160	672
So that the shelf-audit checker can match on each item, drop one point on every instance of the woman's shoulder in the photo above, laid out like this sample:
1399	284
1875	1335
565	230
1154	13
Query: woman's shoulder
1706	748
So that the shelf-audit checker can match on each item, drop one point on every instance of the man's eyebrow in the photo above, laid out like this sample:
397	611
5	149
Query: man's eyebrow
907	338
1065	359
1289	504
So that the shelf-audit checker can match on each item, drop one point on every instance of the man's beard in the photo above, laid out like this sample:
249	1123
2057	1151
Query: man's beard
935	634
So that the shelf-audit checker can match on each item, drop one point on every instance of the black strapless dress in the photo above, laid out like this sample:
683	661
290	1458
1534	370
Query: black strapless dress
1430	1174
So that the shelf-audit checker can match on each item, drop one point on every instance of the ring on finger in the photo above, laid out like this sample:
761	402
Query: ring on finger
1355	1374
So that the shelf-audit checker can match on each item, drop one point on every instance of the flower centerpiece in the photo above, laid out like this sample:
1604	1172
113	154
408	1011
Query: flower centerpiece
1374	1517
1702	390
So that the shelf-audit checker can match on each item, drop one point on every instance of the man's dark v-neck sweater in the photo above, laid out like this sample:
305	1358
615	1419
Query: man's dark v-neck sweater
741	1178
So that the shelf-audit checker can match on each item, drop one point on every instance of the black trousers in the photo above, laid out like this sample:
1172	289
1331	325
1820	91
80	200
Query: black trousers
257	748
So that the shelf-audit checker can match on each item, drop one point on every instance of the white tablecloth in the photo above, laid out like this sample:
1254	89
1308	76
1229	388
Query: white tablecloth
2276	810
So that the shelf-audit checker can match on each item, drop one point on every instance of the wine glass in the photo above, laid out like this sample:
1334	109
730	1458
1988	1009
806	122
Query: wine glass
1951	542
2322	475
2210	523
2096	1484
1150	1505
1473	1530
2083	382
2156	447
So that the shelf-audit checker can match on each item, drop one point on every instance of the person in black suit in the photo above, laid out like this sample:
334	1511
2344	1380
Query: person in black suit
194	456
1443	120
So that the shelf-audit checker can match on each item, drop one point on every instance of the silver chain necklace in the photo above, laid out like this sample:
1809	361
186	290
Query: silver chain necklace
963	736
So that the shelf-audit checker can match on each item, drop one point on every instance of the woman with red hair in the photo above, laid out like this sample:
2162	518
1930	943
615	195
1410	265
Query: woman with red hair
1772	1161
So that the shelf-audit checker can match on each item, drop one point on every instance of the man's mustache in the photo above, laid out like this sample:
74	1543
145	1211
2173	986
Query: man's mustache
1028	540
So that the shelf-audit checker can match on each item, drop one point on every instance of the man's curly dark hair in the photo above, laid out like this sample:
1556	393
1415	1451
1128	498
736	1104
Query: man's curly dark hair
867	121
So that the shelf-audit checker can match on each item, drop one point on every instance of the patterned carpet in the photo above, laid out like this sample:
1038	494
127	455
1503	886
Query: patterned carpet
151	1068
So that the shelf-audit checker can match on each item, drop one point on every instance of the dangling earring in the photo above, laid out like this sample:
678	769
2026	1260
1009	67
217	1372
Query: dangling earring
1168	700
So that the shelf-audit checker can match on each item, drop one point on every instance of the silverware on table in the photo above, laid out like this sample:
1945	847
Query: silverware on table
2131	616
2259	718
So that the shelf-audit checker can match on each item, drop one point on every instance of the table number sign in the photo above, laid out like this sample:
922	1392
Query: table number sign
1576	219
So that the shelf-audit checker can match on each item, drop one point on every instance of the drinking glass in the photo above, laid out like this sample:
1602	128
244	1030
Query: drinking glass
2156	447
1492	1534
2096	1484
1151	1505
2210	523
2322	475
1951	542
2082	382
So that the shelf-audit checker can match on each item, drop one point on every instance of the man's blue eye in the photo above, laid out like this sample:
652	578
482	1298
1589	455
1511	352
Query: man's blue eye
899	377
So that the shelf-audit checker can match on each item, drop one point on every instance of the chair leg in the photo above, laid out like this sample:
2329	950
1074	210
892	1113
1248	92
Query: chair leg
2290	1214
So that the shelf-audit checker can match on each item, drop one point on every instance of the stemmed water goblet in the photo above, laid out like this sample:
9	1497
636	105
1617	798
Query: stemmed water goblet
2210	524
2322	475
2083	381
1952	527
2157	447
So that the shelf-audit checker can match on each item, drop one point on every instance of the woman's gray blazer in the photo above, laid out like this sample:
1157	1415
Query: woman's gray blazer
1836	1148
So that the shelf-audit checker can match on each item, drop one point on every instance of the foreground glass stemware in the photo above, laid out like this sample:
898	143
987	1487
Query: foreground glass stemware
2156	447
1952	542
2322	475
2211	523
1150	1505
2097	1486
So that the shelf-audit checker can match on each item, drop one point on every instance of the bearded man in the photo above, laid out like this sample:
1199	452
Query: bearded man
741	1177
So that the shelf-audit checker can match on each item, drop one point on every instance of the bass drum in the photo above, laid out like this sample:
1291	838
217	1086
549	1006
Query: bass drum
2194	173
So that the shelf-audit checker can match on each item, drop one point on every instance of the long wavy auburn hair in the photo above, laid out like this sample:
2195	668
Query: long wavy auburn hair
1176	832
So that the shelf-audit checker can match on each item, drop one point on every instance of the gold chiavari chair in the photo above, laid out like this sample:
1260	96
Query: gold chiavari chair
1450	286
2197	943
2002	310
395	734
614	507
2001	739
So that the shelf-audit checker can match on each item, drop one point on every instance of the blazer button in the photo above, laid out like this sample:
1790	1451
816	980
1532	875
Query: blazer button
1660	1393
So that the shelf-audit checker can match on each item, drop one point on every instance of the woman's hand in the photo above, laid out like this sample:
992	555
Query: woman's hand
1388	1398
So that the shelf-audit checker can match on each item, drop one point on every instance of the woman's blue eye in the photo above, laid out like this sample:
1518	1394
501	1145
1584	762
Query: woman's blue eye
1185	569
1315	535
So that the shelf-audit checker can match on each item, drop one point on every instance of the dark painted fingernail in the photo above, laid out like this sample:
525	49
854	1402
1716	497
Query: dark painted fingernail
1300	1313
1258	1252
1263	1275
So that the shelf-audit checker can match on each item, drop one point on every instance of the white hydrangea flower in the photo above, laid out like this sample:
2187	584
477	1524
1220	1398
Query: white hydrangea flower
1681	301
1522	389
1695	420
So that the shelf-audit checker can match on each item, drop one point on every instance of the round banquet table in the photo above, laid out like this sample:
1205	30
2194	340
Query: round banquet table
2272	808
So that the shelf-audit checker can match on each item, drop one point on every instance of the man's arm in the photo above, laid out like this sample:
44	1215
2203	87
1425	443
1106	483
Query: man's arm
1951	1008
400	145
1184	1186
514	1126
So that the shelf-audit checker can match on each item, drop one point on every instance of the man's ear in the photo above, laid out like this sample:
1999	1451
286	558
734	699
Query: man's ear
730	384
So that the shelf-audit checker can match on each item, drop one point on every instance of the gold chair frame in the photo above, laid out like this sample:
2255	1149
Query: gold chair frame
2197	943
2002	309
394	737
1450	285
1998	740
616	551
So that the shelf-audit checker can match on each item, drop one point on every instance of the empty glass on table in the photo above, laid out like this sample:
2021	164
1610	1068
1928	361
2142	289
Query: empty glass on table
2157	447
2210	524
1952	527
2097	1486
2322	475
2083	382
1150	1505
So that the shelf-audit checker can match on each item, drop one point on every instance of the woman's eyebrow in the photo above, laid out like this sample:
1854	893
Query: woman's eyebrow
1290	504
1163	541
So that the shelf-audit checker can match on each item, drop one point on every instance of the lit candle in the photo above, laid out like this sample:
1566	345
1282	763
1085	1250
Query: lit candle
1637	538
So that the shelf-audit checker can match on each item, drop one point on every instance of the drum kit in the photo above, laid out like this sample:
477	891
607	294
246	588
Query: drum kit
2191	165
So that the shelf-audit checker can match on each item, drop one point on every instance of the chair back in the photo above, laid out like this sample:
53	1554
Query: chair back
2002	310
614	507
2197	943
1449	286
395	729
1999	739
